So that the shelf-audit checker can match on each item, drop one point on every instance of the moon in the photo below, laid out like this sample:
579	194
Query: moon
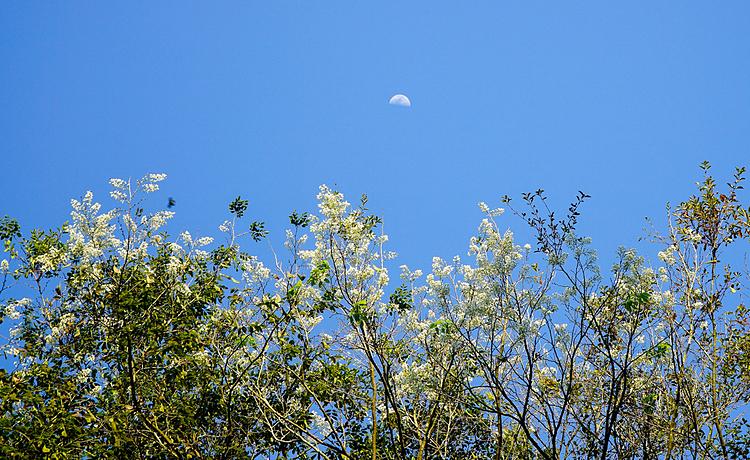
400	100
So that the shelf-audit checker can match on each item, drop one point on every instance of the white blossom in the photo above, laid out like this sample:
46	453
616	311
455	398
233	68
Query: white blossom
157	177
203	241
309	322
667	256
11	311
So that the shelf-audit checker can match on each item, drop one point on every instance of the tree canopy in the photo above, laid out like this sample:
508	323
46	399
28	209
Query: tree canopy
126	342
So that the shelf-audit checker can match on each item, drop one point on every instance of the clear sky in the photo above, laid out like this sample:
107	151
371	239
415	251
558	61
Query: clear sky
270	99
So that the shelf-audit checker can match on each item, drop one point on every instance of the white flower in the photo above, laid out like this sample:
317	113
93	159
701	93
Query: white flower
204	241
308	323
159	219
408	275
186	238
11	312
387	255
13	351
332	204
4	266
667	256
254	271
83	376
174	265
118	183
290	240
383	278
118	196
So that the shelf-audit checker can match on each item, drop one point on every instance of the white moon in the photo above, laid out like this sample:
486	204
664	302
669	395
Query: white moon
400	100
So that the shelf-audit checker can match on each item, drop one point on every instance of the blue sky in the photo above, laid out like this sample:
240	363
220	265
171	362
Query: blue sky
270	99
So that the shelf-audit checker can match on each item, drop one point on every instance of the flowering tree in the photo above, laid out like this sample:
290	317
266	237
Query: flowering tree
126	342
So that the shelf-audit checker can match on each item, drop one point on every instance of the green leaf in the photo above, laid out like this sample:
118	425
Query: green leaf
238	206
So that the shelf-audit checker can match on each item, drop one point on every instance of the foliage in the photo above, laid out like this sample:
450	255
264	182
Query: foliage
127	343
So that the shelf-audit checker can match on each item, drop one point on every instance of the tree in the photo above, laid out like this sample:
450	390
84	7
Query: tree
128	343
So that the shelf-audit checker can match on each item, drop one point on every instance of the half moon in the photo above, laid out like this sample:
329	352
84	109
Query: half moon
400	100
